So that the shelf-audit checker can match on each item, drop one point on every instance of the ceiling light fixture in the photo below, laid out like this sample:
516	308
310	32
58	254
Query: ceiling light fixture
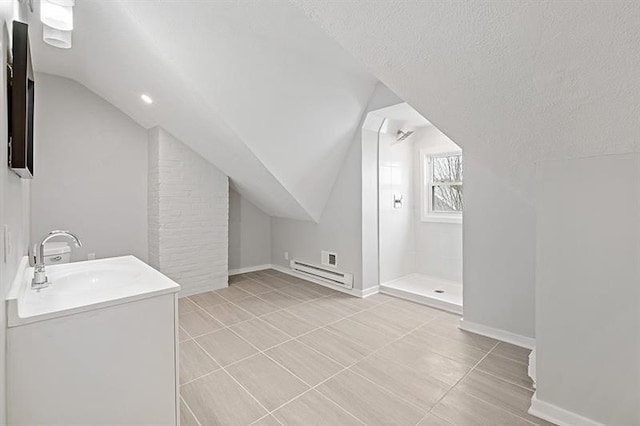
56	16
56	38
67	3
57	20
146	99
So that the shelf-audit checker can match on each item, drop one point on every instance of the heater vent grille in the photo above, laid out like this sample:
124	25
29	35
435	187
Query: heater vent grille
322	273
329	259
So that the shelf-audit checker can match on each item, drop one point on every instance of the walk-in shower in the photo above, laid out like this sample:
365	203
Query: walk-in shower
419	211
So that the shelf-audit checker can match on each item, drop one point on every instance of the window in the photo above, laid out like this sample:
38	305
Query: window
442	199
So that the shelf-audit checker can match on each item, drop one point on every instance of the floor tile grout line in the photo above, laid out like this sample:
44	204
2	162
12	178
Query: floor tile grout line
210	356
387	390
259	351
190	410
502	379
246	390
492	351
313	389
264	417
285	368
298	316
458	382
256	316
340	407
289	283
297	284
296	337
509	357
351	341
289	337
185	332
385	346
222	323
365	357
484	351
500	408
439	314
230	375
475	368
232	331
249	313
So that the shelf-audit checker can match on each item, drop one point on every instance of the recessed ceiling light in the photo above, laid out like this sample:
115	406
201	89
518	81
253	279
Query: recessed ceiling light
146	99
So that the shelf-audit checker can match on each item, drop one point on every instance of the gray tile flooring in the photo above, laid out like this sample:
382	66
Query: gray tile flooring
273	349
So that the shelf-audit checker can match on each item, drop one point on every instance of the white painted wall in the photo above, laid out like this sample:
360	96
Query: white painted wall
438	246
340	226
396	178
91	161
188	215
249	234
14	199
337	231
588	287
498	249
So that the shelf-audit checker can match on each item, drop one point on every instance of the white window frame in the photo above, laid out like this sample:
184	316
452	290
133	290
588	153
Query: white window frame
426	193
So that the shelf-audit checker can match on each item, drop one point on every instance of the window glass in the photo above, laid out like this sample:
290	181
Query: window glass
447	198
443	187
447	169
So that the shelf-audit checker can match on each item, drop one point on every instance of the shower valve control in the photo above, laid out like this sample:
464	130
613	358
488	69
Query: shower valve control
397	201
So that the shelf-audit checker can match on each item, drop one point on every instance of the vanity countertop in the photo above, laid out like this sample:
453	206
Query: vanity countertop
83	286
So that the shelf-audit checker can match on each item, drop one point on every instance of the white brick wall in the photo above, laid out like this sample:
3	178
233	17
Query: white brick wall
188	215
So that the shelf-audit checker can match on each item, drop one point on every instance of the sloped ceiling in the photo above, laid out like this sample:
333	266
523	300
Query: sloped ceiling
252	86
514	81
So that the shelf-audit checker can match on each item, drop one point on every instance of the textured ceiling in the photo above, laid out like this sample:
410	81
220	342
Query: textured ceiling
253	86
514	81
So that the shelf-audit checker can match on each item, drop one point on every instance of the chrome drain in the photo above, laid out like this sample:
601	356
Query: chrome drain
438	291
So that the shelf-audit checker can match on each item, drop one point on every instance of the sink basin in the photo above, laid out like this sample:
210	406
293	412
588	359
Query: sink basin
81	286
86	277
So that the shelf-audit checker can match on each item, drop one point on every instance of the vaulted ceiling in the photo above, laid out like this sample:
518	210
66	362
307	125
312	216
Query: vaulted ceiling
515	81
271	91
252	86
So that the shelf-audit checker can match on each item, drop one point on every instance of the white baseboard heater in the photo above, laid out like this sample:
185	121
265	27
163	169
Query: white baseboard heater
328	275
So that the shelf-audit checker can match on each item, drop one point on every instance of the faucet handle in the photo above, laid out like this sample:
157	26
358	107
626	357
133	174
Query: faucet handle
33	255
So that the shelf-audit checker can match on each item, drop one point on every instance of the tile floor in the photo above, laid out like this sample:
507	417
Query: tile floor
276	350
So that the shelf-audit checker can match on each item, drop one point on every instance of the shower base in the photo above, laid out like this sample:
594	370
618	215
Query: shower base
427	290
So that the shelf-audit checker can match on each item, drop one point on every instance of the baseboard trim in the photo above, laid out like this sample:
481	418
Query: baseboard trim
352	292
531	370
423	300
496	333
370	291
250	269
557	415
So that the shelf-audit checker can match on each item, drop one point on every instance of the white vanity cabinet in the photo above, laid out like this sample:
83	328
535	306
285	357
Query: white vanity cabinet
115	363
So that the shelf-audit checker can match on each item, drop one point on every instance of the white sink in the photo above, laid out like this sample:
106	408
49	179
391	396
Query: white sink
81	286
88	277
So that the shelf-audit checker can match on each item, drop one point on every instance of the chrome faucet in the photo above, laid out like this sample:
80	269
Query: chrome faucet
39	276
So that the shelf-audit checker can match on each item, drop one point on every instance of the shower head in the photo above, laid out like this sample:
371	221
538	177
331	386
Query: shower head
400	135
